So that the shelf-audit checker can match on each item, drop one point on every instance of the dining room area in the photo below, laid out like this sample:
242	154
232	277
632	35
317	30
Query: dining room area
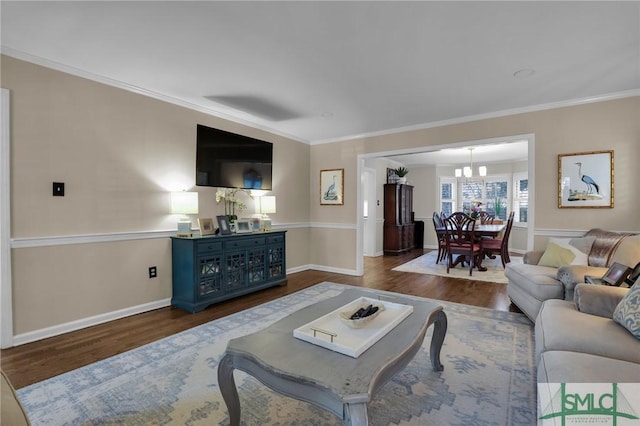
469	245
470	238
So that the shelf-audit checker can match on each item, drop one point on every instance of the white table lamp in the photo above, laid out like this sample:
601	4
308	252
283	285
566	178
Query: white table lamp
267	206
184	203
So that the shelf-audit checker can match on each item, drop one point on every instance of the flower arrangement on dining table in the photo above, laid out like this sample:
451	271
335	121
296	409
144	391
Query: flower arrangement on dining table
475	209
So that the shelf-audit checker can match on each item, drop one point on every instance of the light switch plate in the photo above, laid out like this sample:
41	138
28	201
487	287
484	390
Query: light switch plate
58	189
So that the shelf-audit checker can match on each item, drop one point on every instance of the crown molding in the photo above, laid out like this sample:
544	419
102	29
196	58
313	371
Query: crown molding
485	116
47	63
17	54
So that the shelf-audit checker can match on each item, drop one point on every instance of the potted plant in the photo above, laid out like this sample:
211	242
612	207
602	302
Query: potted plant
231	201
498	207
402	172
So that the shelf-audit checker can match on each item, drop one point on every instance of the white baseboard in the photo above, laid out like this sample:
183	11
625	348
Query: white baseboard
32	336
56	330
298	269
343	271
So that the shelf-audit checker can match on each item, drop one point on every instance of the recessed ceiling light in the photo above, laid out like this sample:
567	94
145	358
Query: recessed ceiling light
524	73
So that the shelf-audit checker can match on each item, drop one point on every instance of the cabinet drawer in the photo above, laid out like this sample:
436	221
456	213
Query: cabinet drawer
209	246
244	243
275	239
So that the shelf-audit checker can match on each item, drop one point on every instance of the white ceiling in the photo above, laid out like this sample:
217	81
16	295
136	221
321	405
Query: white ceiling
324	71
492	153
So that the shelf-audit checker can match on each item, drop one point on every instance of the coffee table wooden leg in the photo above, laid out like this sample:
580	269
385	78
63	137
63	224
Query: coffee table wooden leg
355	414
439	331
228	389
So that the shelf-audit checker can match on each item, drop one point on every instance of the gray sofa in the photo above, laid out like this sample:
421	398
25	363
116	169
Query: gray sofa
578	342
530	284
11	411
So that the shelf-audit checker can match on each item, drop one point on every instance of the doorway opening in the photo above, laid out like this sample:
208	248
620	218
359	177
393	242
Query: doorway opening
380	161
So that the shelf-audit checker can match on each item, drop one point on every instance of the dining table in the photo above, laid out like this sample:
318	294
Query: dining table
482	230
488	230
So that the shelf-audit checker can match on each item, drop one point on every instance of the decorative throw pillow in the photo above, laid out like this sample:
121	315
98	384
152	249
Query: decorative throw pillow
627	313
567	251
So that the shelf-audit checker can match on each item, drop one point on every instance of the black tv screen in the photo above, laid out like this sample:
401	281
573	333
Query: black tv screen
229	160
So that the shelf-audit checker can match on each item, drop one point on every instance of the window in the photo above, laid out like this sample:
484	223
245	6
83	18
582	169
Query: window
492	192
497	198
447	196
497	194
520	197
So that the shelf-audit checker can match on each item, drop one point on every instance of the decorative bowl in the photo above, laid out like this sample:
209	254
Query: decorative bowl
345	316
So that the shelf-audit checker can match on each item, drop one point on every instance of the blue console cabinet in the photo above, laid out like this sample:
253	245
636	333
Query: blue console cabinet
210	269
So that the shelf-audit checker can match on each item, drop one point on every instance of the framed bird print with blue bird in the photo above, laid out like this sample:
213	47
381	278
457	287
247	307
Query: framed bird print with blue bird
585	180
332	187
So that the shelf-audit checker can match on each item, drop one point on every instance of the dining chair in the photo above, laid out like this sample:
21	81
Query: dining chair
460	240
438	226
501	245
486	218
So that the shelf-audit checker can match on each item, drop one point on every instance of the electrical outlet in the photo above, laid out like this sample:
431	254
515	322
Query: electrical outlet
153	272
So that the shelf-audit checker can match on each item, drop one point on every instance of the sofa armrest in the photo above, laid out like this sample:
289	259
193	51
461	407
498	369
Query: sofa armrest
600	300
572	275
12	412
532	257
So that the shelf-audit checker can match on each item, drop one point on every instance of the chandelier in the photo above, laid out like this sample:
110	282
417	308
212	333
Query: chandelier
468	170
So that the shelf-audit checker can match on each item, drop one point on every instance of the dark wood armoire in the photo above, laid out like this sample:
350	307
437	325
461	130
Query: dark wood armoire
398	226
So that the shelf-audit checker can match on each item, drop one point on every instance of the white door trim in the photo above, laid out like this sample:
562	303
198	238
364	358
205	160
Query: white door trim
6	299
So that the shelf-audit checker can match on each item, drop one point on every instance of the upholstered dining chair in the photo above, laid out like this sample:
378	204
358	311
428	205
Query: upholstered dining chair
500	245
460	240
438	226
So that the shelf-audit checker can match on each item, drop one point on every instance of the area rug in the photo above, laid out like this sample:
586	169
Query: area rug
488	378
426	264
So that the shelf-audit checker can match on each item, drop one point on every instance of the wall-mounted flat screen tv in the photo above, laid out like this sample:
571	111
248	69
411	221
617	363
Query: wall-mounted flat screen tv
229	160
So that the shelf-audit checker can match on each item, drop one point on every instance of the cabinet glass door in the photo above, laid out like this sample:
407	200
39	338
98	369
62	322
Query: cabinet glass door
210	275
276	261
235	270
256	266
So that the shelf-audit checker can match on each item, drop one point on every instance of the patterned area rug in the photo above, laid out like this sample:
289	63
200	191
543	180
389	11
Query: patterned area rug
426	264
488	378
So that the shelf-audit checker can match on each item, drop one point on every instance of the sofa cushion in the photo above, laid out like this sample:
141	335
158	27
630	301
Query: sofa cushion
627	313
566	251
561	327
538	281
575	367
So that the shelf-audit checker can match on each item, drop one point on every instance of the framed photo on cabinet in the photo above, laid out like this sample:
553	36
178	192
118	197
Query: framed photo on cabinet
332	187
243	226
585	180
223	224
206	226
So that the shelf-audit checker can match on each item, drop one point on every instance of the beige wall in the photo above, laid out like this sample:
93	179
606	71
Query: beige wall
119	154
595	126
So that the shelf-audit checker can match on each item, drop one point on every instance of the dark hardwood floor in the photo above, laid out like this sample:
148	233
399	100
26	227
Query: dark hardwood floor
33	362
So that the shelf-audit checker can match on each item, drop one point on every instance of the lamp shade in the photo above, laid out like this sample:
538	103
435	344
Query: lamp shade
267	204
184	202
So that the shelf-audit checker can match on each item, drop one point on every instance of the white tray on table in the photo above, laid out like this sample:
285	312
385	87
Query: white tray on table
330	332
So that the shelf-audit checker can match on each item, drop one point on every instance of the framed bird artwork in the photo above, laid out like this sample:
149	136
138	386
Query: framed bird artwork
585	180
332	187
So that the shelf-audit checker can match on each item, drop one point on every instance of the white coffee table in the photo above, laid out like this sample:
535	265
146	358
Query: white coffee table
330	380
